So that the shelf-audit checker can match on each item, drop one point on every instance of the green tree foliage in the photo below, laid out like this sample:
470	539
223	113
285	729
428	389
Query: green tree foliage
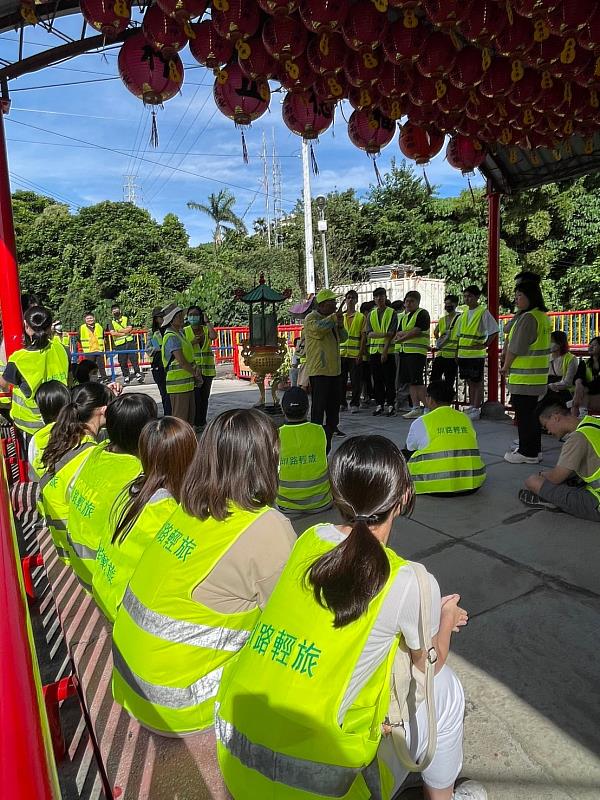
220	209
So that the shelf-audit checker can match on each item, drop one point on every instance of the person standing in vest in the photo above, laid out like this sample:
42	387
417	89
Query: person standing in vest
301	712
520	277
112	466
445	366
444	454
351	351
154	351
413	341
201	334
196	593
382	324
526	367
43	359
122	341
71	442
402	389
58	332
580	457
91	338
166	449
366	377
182	374
323	332
476	329
303	477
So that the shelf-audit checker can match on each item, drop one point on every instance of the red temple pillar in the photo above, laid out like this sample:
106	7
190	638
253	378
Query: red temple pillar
493	286
10	292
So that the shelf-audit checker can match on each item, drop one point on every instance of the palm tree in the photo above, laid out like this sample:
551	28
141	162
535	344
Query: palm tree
220	209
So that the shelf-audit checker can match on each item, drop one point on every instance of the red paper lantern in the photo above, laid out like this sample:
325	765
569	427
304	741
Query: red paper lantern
484	23
393	80
424	91
573	59
237	19
254	60
394	107
183	10
326	52
147	73
469	67
555	96
305	114
528	90
363	69
364	26
516	39
453	99
107	16
544	52
331	88
420	144
164	33
370	130
447	13
465	153
284	37
478	106
278	6
474	129
570	16
532	8
424	116
501	76
208	48
365	97
320	15
239	98
295	74
589	35
437	55
402	42
590	75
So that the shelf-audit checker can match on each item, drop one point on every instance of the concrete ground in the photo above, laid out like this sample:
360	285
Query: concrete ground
530	580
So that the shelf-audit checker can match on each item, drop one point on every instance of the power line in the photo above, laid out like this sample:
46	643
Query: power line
27	184
67	83
68	114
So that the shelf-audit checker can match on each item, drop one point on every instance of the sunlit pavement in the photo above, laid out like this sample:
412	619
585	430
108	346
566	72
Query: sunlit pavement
530	581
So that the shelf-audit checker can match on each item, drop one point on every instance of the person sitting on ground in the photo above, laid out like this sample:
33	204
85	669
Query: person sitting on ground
71	442
563	367
303	478
166	449
302	711
197	591
111	467
442	447
50	398
587	382
579	459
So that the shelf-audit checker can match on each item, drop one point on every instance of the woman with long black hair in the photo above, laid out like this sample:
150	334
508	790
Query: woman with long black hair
302	711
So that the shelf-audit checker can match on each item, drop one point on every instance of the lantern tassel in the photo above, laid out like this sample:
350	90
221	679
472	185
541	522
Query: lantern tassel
313	161
471	190
427	184
154	131
244	148
377	173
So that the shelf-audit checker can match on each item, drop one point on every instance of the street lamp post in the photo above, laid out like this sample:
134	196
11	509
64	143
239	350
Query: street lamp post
322	228
308	229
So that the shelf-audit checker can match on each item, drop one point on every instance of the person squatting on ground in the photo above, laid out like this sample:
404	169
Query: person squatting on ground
304	705
573	485
200	333
442	447
303	473
476	329
351	353
413	343
381	327
166	449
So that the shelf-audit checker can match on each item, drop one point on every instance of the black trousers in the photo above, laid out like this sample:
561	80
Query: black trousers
528	425
202	393
384	379
351	368
160	379
325	403
98	361
124	358
366	380
444	369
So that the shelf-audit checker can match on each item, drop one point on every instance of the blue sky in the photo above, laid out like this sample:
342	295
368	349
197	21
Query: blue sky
199	149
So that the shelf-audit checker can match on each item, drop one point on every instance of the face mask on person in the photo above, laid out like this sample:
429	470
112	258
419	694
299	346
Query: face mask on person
194	319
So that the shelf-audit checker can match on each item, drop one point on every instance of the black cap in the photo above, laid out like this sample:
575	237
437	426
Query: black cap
295	402
157	312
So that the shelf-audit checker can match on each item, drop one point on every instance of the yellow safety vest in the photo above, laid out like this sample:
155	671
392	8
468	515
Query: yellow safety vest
281	732
5	400
450	347
38	444
451	461
203	354
472	337
116	561
96	496
532	369
84	338
36	367
119	325
377	343
303	473
567	359
55	490
178	380
419	344
169	650
350	348
590	428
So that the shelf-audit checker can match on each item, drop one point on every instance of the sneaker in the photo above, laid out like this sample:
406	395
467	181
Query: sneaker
529	498
378	411
515	449
126	381
391	411
470	790
414	414
403	409
514	457
354	409
140	378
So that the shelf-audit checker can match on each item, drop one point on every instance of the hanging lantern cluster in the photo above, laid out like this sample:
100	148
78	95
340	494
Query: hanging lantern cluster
489	73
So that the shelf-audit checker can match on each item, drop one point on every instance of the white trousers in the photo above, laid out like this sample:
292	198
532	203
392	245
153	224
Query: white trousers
447	761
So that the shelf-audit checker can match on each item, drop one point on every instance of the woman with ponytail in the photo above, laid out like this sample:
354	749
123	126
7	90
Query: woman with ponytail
73	436
302	711
166	449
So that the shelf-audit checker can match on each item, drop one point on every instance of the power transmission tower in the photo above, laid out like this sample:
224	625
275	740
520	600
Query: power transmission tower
130	189
265	188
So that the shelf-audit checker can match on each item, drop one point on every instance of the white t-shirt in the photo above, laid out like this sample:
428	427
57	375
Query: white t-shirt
399	614
417	438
